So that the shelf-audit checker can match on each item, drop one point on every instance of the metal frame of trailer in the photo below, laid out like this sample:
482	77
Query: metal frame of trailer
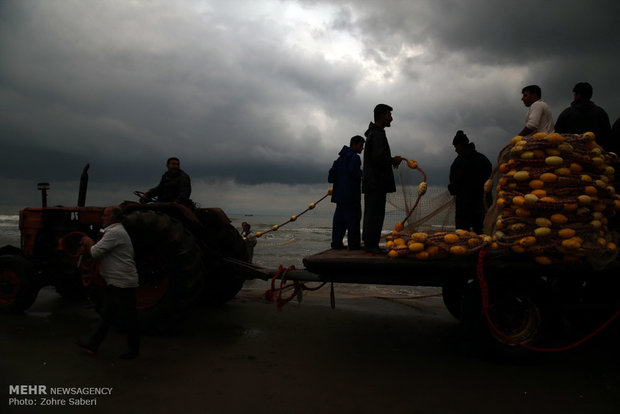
505	300
356	266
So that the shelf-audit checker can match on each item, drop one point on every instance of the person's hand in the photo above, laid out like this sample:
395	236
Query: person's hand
87	242
397	160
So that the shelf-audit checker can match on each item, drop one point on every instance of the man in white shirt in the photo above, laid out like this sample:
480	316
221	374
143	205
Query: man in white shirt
118	268
538	117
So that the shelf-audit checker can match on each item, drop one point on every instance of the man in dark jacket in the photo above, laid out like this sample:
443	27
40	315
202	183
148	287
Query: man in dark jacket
346	175
584	116
174	186
377	177
613	143
468	173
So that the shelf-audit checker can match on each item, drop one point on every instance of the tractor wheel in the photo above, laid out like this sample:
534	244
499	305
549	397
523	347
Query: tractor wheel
220	239
170	267
18	288
222	283
69	285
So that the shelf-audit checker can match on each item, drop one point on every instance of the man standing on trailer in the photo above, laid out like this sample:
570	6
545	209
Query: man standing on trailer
538	117
468	173
583	115
346	175
377	177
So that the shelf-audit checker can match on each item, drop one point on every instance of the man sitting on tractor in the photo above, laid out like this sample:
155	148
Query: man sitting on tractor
174	186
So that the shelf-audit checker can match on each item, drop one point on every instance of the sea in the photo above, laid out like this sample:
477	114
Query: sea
310	233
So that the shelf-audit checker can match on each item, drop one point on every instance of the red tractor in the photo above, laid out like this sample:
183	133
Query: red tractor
183	257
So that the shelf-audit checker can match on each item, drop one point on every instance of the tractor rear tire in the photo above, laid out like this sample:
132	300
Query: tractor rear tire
221	240
18	287
170	267
222	282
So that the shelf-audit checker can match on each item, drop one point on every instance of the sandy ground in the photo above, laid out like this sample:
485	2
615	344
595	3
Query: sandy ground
371	354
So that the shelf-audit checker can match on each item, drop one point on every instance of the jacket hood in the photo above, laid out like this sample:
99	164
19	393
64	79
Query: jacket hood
346	151
469	147
371	126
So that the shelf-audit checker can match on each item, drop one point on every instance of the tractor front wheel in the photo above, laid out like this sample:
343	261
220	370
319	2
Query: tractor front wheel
18	287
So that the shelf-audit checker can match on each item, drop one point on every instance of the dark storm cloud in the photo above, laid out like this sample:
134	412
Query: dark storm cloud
559	42
248	91
76	91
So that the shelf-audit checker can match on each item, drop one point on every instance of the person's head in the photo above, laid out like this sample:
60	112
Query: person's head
111	215
460	141
245	226
357	143
582	91
173	164
383	115
531	94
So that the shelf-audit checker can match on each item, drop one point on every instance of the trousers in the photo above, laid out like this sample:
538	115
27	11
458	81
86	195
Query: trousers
374	214
119	306
347	220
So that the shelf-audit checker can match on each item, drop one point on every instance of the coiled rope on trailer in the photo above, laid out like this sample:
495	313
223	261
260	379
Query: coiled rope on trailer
484	293
275	293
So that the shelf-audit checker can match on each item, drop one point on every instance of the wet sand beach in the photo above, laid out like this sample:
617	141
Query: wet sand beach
378	351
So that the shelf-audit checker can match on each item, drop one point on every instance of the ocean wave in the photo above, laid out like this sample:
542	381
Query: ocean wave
9	218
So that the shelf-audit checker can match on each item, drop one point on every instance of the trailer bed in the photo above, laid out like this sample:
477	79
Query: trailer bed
357	266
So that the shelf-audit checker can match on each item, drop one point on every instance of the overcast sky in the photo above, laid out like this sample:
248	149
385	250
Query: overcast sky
257	97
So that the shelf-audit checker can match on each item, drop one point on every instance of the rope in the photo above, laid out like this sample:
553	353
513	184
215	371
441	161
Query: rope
64	245
484	290
89	268
275	293
415	297
421	188
276	227
297	286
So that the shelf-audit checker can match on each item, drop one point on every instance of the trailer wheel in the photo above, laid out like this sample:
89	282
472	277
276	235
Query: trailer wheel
517	315
18	288
170	267
452	293
518	310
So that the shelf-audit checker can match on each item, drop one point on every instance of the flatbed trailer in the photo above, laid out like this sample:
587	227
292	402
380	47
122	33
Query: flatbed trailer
509	298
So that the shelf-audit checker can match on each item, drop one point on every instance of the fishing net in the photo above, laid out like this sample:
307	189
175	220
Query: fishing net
434	212
554	201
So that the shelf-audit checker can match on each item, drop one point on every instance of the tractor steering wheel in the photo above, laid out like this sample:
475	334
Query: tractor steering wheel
143	197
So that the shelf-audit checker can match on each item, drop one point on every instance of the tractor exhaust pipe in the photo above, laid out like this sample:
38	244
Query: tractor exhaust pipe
43	187
83	186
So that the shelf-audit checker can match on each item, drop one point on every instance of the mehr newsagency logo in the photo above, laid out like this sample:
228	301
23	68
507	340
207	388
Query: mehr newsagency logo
43	395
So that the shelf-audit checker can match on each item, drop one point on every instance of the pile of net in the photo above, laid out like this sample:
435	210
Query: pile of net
555	198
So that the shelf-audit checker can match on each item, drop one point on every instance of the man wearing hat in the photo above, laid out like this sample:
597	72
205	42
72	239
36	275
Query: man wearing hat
468	173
